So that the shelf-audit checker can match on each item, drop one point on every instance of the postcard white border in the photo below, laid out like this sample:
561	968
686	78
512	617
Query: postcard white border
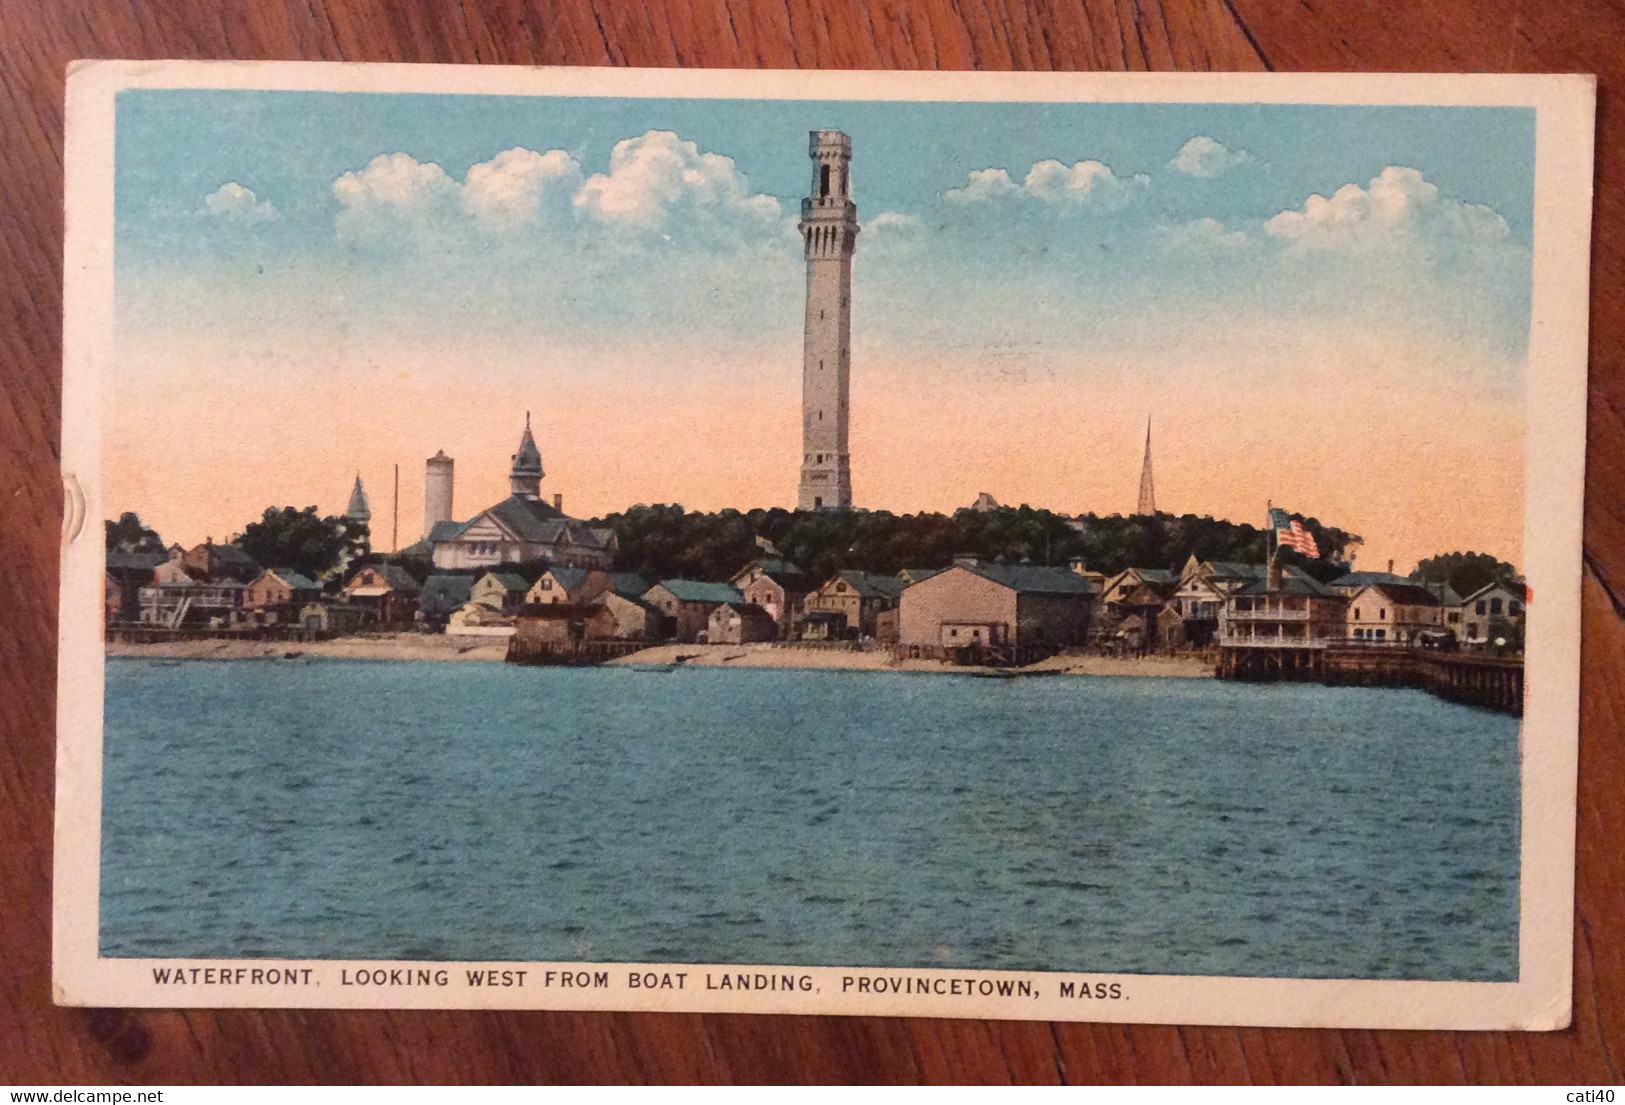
1555	450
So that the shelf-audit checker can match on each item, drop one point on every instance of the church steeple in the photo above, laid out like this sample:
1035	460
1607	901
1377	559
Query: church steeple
358	510
1148	493
526	478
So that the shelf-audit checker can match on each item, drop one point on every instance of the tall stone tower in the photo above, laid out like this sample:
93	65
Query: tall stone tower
438	471
525	480
829	230
1148	493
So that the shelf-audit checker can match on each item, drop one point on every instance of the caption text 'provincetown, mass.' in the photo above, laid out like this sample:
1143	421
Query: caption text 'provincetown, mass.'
480	978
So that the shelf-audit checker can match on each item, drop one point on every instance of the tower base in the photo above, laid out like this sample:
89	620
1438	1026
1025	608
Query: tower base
826	486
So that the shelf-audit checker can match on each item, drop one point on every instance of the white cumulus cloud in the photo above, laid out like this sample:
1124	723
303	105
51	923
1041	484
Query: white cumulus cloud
1052	182
514	187
1397	205
892	222
983	185
233	202
1205	157
659	182
393	191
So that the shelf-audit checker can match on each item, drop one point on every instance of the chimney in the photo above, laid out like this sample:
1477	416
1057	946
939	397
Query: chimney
1272	579
558	502
1390	567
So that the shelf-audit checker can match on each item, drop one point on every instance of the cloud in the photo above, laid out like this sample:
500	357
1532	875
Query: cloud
1398	206
394	191
983	185
892	223
234	203
515	187
1204	235
1052	182
661	183
1204	157
1084	182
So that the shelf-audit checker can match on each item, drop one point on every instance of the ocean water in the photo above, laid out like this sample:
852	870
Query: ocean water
350	809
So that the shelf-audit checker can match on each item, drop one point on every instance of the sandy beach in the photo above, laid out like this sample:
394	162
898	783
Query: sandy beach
434	646
772	656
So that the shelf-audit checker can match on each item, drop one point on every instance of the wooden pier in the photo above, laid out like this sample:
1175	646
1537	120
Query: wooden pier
568	653
1475	679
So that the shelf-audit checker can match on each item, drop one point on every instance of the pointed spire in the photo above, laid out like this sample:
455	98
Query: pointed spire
1148	493
358	510
526	478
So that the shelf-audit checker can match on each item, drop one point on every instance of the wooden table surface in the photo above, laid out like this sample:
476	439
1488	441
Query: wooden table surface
41	1043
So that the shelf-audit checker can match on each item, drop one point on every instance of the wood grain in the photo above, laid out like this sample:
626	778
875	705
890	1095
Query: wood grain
41	1043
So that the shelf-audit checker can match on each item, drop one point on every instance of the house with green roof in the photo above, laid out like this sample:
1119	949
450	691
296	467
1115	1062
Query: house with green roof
503	591
858	597
687	604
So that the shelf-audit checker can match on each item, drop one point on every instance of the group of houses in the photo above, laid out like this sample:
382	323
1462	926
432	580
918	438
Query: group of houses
1236	605
1018	610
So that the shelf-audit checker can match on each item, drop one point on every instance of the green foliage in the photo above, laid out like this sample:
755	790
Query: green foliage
665	541
128	534
303	540
1465	572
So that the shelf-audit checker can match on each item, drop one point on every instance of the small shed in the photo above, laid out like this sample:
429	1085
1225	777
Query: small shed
740	623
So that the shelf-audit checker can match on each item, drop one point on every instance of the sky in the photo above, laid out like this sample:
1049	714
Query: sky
1326	308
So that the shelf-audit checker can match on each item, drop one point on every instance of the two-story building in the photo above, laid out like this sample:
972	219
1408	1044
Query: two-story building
857	597
1392	613
778	587
686	605
1493	616
276	595
1013	611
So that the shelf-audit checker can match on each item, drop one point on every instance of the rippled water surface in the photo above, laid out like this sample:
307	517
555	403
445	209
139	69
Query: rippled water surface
477	811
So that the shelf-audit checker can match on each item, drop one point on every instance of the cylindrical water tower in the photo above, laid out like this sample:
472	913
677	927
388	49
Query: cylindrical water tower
437	477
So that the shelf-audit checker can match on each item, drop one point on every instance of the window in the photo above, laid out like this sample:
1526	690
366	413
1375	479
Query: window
1381	634
1495	606
1479	608
547	583
823	180
1382	614
840	588
818	501
1455	617
1472	631
1356	613
953	632
1514	607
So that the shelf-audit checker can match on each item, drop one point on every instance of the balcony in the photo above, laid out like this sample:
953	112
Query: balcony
1232	639
1267	614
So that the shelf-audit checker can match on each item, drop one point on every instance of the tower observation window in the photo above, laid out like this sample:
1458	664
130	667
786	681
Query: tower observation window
823	180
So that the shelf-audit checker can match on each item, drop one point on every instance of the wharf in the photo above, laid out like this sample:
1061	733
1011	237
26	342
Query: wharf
1475	679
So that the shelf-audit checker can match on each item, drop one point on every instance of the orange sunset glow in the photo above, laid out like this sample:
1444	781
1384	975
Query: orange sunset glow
1342	427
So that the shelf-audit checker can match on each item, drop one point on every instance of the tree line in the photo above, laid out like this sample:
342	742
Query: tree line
665	541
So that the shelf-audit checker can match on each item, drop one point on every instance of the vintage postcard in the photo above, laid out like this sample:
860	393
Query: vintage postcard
1017	546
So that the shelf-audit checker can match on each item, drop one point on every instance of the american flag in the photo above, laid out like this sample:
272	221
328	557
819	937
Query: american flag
1290	532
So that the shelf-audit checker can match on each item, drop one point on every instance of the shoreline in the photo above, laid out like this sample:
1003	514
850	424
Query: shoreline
441	648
